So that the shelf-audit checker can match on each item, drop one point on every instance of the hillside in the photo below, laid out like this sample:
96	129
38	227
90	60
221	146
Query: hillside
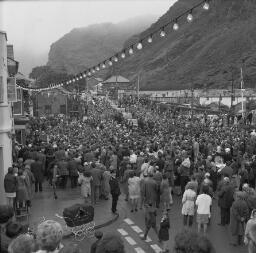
84	47
200	54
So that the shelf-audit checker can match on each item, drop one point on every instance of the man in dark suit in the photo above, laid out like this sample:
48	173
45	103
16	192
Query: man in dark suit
38	172
114	190
96	182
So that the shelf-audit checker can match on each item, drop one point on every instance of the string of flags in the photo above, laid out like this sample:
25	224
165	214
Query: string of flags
128	51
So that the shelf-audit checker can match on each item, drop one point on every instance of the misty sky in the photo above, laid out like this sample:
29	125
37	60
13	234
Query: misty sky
32	26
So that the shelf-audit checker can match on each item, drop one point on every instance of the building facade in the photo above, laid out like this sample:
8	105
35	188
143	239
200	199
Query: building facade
6	119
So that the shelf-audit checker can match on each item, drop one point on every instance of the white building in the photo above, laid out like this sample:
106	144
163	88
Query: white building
6	120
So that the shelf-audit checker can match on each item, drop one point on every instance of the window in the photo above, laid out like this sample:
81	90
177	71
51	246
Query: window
11	89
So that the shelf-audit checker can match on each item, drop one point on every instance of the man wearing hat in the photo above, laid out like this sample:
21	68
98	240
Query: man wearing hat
98	234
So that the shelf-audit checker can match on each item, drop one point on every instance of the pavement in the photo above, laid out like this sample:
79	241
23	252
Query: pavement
45	207
130	226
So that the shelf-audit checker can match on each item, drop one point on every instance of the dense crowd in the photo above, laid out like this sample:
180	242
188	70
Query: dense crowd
169	152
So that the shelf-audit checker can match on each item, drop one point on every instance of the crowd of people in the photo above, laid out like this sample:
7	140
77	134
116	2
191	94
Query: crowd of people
192	156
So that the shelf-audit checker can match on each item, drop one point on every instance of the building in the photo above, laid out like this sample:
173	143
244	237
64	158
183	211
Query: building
52	102
115	83
8	69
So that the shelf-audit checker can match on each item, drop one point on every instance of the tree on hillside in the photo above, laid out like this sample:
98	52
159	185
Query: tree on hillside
45	76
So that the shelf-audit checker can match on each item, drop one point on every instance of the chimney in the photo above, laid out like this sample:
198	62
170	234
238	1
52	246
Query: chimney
10	52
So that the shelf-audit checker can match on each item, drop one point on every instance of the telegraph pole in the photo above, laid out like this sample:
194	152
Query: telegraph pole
192	102
138	88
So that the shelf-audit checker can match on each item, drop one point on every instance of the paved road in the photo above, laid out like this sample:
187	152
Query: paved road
131	225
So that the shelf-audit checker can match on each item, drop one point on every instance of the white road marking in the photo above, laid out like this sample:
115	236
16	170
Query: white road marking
122	232
137	229
130	240
139	250
129	221
156	248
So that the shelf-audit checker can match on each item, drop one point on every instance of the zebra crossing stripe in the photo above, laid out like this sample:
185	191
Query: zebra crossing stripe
122	232
130	240
129	221
137	229
156	248
139	250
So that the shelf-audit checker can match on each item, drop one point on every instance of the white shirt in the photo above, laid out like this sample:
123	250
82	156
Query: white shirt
203	203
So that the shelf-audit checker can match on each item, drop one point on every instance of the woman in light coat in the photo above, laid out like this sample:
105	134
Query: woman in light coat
84	180
188	205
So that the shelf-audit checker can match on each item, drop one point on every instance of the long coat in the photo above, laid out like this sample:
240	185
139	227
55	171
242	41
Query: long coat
22	191
238	210
29	181
226	196
37	170
165	191
150	191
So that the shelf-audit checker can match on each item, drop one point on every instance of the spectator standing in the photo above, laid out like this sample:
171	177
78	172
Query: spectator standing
163	234
37	170
225	201
85	180
98	235
239	213
150	219
63	170
96	174
188	204
203	202
114	190
10	186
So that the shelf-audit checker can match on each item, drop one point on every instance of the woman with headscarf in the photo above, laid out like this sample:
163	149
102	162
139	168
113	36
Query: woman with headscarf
238	215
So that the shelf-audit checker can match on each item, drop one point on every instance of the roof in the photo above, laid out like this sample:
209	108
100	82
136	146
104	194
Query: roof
116	79
3	32
20	76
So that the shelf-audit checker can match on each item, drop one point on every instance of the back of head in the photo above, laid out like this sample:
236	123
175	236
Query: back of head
70	248
111	243
6	213
192	242
22	244
49	235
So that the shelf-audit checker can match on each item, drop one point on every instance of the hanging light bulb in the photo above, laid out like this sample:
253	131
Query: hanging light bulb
74	80
150	39
123	55
97	68
131	51
206	6
93	70
176	26
190	17
162	33
89	73
81	77
103	65
84	75
115	59
139	46
110	63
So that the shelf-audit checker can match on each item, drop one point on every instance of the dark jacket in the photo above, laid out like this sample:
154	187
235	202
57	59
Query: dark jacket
10	183
37	170
114	187
72	168
63	168
97	176
226	194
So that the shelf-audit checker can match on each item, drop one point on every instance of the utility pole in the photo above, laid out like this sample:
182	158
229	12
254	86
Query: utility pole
242	90
138	88
192	102
232	87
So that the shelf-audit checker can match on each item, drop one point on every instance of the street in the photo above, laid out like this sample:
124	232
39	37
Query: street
130	227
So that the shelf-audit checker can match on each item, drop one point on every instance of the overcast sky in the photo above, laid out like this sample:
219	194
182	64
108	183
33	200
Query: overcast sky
32	26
